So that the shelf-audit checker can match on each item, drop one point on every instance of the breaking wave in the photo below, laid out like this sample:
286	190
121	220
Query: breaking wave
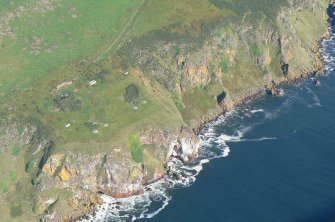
327	51
315	98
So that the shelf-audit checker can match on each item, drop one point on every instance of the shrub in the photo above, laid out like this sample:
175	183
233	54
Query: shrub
20	130
136	148
16	150
16	211
67	102
30	166
4	186
225	64
178	102
220	98
257	51
269	8
132	94
12	175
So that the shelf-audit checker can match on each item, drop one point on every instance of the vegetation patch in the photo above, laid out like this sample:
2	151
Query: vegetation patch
225	64
30	166
16	211
220	98
136	148
46	154
177	101
4	186
92	126
132	94
12	175
67	101
16	150
20	130
284	68
256	8
256	51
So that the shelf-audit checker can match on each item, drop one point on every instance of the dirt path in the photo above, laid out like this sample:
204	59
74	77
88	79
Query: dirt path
124	32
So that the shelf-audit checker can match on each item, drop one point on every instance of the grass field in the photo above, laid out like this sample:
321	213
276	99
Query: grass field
44	41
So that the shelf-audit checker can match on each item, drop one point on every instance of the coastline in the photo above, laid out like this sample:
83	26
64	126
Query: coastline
318	69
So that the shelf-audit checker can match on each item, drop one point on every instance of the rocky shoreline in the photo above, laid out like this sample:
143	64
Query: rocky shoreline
272	90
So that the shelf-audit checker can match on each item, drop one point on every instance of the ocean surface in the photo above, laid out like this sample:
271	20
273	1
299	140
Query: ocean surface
270	161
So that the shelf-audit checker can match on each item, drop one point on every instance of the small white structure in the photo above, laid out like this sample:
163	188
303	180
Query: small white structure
126	73
135	107
95	131
92	83
67	125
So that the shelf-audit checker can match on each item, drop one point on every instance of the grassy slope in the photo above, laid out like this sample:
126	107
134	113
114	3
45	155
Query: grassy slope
77	30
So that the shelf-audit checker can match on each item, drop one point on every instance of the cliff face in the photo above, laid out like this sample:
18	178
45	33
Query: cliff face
174	78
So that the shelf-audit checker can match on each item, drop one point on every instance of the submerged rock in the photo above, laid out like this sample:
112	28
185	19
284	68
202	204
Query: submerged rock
317	82
273	90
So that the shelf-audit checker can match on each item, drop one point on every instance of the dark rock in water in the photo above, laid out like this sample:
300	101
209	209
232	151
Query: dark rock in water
184	175
175	176
317	82
273	90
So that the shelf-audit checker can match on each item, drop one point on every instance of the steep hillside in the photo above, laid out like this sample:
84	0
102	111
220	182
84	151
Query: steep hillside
96	96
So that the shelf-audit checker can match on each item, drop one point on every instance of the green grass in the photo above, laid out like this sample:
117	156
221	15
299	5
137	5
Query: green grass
16	150
96	25
16	211
30	166
256	50
197	102
157	14
13	175
20	130
4	186
256	8
136	148
178	102
225	64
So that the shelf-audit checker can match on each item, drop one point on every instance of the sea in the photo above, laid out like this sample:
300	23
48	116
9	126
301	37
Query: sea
272	160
